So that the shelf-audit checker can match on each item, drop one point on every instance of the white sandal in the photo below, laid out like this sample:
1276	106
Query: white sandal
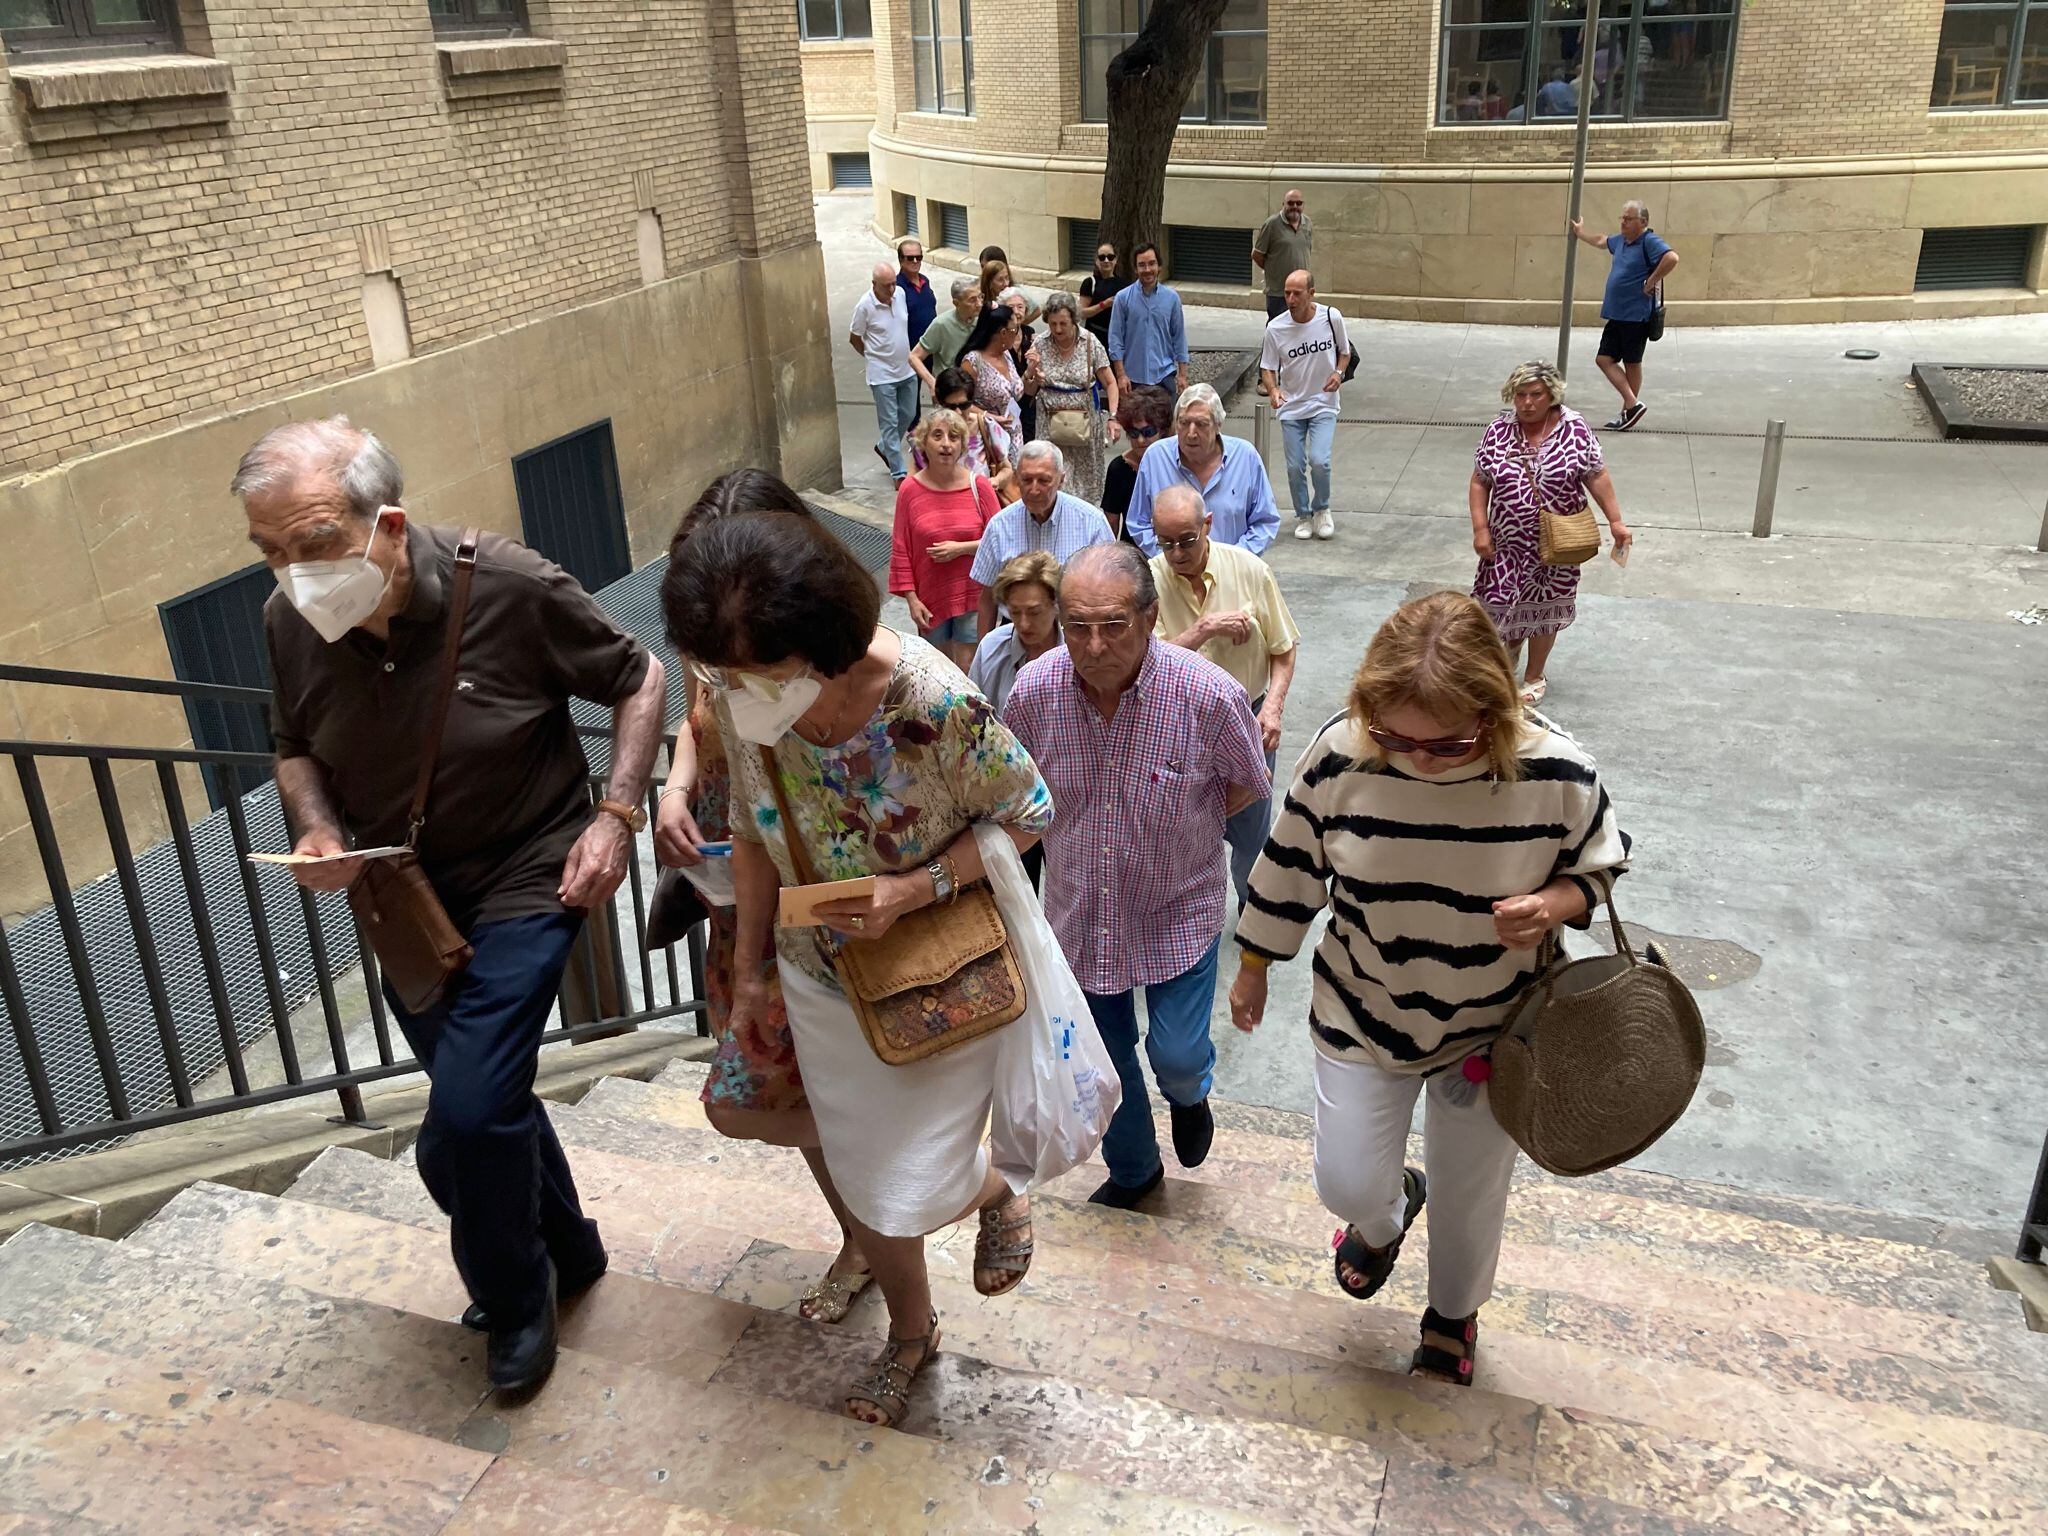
1532	693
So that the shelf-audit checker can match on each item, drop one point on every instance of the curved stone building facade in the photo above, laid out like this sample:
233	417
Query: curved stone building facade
1867	159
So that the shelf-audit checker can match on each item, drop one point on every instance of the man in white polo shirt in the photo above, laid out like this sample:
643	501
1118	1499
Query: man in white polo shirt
1303	365
880	333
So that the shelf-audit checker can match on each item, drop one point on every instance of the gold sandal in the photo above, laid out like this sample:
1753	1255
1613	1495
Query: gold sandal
831	1297
889	1387
993	1249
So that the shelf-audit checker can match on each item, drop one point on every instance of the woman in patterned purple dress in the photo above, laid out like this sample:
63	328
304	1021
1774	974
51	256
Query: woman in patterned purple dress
1535	455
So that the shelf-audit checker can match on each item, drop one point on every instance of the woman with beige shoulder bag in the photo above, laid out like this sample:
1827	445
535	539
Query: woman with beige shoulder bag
1077	399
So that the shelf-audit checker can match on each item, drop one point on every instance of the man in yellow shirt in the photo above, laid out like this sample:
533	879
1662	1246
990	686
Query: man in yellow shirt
1222	601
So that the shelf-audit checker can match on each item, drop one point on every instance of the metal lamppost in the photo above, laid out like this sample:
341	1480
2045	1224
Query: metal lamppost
1588	40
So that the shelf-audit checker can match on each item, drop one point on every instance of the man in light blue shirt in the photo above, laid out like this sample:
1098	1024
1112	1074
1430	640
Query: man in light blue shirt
1047	518
1148	333
1226	470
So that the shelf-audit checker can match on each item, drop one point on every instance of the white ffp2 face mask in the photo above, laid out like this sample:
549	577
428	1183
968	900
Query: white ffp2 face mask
334	596
764	716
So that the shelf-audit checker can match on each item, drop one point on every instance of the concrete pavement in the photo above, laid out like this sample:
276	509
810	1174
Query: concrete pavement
1830	746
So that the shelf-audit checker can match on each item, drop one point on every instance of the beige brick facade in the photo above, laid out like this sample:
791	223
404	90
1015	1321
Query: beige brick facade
181	271
839	102
1806	203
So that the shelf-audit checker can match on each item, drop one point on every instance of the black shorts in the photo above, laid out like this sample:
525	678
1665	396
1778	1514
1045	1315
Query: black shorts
1624	340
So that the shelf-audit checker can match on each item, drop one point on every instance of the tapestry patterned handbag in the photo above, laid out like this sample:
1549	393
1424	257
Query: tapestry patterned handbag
939	978
1562	538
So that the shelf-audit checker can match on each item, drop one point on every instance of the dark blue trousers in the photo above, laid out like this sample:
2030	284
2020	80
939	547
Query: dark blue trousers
487	1153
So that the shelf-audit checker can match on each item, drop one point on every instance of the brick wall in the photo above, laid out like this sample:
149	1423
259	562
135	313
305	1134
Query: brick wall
839	79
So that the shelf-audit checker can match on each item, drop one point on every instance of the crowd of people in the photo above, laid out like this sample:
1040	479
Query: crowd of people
1095	693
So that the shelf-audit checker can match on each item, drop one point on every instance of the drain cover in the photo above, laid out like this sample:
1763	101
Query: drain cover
1861	354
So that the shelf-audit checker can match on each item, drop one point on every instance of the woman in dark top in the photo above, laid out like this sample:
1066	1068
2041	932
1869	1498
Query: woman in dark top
1145	414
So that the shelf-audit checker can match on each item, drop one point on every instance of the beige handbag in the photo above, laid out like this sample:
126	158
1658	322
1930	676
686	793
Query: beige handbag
1068	427
1599	1059
940	977
1562	538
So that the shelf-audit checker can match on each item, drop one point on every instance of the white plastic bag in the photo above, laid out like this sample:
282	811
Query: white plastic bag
1056	1087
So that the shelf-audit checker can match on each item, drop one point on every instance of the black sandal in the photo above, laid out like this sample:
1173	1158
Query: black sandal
1376	1264
1449	1345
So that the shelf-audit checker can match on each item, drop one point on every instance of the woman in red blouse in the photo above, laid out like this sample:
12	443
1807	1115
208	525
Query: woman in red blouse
941	511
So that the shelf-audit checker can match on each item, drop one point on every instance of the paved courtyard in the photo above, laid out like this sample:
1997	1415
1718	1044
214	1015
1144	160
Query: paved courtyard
1831	747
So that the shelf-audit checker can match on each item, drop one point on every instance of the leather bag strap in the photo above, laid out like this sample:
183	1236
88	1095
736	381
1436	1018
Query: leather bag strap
791	838
451	653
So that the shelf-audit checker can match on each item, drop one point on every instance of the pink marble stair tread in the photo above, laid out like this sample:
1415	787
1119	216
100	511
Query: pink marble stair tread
118	1445
750	1459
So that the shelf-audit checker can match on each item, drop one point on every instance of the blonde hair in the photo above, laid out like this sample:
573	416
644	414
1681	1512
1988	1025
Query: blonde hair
1019	570
991	290
942	417
1442	654
1538	372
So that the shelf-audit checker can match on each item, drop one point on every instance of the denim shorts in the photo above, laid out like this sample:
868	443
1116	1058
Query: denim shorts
961	629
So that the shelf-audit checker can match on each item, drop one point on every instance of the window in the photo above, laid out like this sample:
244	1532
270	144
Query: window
1992	55
1083	235
1229	85
908	223
215	635
942	55
570	509
102	26
952	225
828	20
1198	253
1518	61
478	18
850	172
1974	258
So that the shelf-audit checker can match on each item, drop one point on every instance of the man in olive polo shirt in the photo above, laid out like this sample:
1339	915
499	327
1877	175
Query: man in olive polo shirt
1284	244
1223	602
510	841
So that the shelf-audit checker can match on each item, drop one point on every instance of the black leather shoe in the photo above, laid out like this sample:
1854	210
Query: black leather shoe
477	1320
522	1358
1194	1128
1124	1197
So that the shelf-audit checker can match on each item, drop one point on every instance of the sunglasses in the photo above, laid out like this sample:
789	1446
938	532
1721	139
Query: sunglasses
1105	255
1142	431
1450	746
911	261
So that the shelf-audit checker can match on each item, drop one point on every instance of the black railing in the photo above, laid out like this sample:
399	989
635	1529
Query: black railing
165	985
2034	1228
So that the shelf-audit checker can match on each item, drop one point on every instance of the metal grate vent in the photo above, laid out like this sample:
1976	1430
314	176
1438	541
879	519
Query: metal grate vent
952	225
909	206
1200	253
850	172
1974	258
1083	235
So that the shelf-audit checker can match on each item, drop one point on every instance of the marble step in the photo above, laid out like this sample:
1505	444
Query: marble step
1600	1215
1119	1336
1275	1471
650	1432
1908	1358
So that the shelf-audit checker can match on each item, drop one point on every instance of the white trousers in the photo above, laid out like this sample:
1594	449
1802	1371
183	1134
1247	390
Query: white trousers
1362	1116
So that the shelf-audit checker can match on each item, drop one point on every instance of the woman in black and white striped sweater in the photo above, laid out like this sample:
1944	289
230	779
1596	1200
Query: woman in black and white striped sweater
1448	832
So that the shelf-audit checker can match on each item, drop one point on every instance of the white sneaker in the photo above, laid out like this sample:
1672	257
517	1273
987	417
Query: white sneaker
1304	528
1326	525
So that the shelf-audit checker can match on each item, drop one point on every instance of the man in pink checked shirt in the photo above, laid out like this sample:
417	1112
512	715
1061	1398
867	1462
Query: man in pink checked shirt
1148	750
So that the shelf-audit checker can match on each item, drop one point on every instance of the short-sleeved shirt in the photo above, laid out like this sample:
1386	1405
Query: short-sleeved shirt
1071	527
932	760
997	660
925	517
1101	290
1302	356
884	330
1239	495
1135	878
943	339
1234	580
510	793
1286	249
1633	264
920	302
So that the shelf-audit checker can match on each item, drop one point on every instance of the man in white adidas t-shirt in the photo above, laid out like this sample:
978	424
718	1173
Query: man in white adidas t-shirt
1303	366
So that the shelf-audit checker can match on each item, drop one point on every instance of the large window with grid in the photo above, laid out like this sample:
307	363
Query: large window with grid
96	26
1230	85
822	21
942	55
1991	55
478	18
1519	61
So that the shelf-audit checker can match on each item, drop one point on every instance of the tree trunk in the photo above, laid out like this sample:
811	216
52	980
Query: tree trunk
1148	86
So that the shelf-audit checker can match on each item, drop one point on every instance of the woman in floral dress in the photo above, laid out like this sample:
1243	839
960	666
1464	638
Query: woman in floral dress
998	385
1074	365
885	758
1536	455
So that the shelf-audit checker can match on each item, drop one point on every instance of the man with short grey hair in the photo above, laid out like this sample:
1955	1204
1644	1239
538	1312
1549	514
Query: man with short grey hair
880	333
1635	292
939	347
1047	518
360	643
1148	749
1227	471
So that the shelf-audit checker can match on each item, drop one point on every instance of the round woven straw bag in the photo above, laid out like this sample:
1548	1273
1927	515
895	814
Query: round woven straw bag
1598	1060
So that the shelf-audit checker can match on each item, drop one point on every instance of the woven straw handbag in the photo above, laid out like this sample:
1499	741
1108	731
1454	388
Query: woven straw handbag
1562	538
1598	1060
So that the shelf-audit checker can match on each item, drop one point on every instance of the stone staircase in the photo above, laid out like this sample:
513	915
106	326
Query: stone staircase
1660	1358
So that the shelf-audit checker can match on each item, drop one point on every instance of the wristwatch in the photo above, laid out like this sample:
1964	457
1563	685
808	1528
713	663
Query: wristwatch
944	887
634	816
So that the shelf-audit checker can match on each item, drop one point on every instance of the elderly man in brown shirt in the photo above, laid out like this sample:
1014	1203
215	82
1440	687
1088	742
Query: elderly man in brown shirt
509	841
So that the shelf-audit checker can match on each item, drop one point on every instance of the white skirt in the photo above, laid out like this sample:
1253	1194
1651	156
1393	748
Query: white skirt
904	1144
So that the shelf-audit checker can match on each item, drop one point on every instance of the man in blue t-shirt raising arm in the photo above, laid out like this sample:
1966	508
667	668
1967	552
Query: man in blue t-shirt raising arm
1641	263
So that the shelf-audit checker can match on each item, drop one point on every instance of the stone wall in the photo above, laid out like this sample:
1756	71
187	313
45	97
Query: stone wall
184	273
839	102
1806	203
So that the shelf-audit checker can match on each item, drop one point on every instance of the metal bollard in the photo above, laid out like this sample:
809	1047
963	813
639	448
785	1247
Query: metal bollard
1262	426
1767	484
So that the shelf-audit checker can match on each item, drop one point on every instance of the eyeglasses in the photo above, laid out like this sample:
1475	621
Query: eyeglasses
1450	746
1105	255
729	679
1143	431
1174	546
911	261
1096	629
